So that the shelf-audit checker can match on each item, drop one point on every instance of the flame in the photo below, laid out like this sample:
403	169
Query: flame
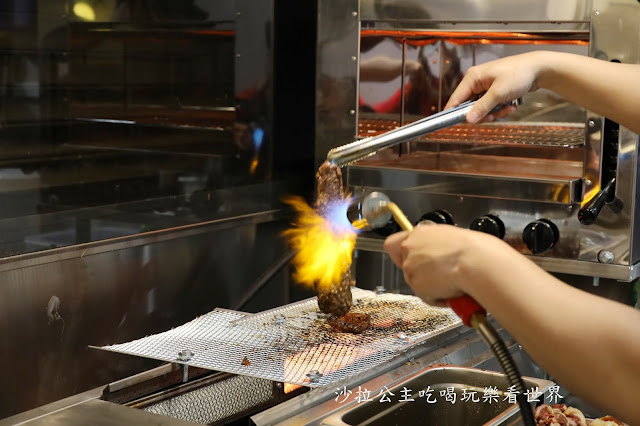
290	387
324	358
325	243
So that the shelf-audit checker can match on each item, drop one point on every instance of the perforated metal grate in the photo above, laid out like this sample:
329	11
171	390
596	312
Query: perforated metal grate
218	401
294	343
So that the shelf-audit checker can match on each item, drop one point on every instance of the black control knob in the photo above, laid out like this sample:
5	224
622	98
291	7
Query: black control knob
390	228
540	235
438	216
489	224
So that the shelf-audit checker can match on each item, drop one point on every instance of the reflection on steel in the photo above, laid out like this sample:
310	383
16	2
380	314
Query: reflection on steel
554	186
264	279
120	291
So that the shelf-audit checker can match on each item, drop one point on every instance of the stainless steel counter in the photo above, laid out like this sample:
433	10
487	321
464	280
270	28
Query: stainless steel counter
459	346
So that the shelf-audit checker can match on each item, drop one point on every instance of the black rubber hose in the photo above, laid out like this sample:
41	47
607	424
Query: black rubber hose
511	370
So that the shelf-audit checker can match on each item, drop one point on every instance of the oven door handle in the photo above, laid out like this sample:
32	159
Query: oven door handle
588	214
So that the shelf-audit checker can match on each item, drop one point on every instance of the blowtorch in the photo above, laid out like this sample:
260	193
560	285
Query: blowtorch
375	210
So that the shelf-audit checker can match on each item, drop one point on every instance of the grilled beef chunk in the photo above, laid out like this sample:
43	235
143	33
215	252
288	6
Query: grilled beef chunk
351	323
560	414
336	300
330	190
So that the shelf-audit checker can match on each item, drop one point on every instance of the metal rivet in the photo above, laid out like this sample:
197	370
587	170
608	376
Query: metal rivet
380	289
238	13
238	55
591	123
596	13
402	337
352	111
354	13
314	376
185	355
353	58
587	181
605	256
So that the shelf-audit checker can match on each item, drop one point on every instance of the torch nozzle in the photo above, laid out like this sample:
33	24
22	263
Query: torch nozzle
377	209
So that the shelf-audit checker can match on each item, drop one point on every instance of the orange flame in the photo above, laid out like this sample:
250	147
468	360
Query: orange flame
324	246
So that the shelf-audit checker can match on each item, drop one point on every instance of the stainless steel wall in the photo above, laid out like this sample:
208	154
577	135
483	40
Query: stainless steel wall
54	306
154	193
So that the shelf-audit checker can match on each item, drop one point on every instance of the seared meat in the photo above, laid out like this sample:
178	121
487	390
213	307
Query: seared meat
337	299
330	190
560	414
353	322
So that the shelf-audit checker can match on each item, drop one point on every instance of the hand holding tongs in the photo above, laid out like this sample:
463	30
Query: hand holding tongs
347	154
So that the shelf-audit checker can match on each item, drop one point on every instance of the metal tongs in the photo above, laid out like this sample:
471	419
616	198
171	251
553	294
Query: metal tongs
350	153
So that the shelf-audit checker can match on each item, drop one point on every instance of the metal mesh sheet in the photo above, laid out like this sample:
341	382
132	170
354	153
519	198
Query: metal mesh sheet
289	344
491	134
216	402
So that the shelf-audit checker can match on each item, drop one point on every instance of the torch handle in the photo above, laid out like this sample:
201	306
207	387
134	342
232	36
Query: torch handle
474	315
466	307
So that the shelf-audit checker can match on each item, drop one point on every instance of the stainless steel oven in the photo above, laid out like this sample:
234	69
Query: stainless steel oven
556	182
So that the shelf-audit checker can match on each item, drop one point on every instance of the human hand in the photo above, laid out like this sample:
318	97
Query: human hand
441	262
412	67
502	80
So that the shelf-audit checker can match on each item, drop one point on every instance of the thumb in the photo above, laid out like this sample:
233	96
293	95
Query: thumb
392	246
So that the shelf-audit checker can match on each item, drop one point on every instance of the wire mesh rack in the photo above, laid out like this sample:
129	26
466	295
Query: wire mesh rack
294	343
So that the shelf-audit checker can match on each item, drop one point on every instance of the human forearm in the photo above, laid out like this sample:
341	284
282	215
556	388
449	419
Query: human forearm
382	68
606	88
589	344
609	89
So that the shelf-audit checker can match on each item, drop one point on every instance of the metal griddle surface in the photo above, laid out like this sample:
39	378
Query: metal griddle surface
289	344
